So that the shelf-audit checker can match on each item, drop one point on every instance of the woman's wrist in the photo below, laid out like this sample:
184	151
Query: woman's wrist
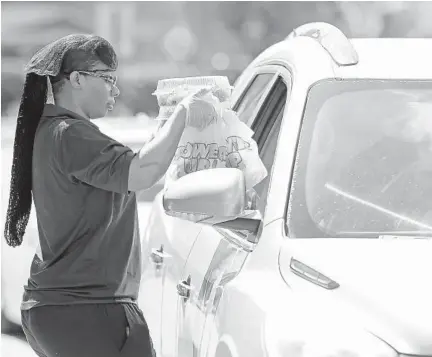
180	114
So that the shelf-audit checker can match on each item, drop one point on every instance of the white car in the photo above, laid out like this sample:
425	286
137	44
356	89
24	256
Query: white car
16	262
336	260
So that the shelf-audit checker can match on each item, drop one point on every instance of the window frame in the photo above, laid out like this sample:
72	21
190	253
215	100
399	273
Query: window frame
259	70
283	74
266	130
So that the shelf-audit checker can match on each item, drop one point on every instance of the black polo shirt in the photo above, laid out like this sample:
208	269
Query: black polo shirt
87	220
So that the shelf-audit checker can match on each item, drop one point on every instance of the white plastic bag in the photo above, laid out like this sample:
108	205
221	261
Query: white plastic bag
225	142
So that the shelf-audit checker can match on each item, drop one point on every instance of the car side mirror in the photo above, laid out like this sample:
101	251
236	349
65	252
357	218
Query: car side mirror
215	192
215	196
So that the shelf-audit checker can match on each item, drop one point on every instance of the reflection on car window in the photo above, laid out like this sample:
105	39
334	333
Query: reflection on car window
364	163
247	105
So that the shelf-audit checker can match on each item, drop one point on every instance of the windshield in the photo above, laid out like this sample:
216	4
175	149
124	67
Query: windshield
364	161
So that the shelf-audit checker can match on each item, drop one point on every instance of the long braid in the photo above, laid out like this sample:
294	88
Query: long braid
20	198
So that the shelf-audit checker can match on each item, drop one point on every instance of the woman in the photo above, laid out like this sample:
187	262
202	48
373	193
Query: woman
81	297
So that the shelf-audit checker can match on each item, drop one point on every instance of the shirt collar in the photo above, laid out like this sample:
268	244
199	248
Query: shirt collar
52	110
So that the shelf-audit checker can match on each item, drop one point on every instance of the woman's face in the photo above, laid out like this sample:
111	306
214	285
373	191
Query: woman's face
99	92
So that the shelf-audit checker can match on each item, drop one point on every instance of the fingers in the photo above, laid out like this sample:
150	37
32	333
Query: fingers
200	118
201	111
221	95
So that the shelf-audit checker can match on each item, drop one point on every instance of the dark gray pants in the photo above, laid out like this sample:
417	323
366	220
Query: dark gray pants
88	330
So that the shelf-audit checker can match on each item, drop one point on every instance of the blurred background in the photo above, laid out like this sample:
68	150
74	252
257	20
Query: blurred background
156	40
159	39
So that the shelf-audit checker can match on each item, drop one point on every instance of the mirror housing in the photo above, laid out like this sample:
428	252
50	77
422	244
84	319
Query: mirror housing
213	193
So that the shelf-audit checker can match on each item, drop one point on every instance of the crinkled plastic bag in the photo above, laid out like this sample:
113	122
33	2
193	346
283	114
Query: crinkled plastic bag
223	143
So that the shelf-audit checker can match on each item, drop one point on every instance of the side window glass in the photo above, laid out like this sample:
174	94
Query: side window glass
266	128
245	108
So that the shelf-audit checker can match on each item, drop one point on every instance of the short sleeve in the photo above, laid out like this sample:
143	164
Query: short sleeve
83	152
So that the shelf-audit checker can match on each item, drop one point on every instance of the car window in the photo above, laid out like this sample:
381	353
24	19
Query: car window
363	165
247	105
266	131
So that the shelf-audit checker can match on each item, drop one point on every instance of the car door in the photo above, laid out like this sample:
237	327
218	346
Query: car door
172	242
218	254
176	251
165	257
166	244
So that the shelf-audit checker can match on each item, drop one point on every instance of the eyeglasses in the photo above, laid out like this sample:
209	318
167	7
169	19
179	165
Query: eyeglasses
110	79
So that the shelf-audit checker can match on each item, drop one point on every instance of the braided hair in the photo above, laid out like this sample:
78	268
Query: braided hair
72	52
20	199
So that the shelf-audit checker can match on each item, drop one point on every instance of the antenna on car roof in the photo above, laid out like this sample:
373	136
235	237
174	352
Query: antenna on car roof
331	39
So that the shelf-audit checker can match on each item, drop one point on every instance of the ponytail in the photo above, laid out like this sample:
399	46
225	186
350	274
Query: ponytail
20	198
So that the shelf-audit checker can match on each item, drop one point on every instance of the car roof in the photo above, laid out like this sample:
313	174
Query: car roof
402	58
379	58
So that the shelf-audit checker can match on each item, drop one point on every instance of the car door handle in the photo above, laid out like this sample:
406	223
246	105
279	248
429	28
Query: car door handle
184	288
158	255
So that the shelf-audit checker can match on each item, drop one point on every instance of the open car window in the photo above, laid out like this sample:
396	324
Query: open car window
248	104
262	107
266	132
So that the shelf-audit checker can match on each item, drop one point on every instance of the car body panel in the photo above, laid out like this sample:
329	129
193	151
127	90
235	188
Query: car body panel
157	303
263	308
309	64
247	299
213	262
175	313
384	284
370	300
390	58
